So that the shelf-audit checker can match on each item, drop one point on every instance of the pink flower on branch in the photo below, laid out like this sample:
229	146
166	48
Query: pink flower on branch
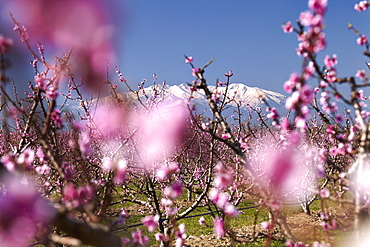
166	169
319	6
159	130
224	177
116	114
362	40
306	18
26	158
174	190
331	75
330	62
202	221
361	6
292	82
5	44
188	59
195	71
22	212
287	27
180	235
284	171
324	193
139	239
361	74
151	222
273	114
219	227
229	74
84	25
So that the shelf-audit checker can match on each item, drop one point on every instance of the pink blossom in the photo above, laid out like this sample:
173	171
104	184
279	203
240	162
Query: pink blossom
231	210
180	235
52	94
74	197
84	25
324	193
107	164
292	82
223	176
219	227
330	62
5	44
284	124
138	238
188	59
331	75
300	123
305	112
151	222
179	242
320	43
174	190
216	96
339	118
309	70
202	221
193	89
273	114
325	225
361	6
8	161
321	244
84	144
22	212
362	40
117	118
292	102
225	136
121	170
287	27
57	119
26	158
218	198
229	74
40	154
40	81
166	170
171	211
159	130
166	202
361	74
158	236
323	84
360	94
195	71
281	167
319	6
306	18
266	225
306	94
43	170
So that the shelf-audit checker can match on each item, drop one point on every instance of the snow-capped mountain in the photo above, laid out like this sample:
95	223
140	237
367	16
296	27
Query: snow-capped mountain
246	97
238	93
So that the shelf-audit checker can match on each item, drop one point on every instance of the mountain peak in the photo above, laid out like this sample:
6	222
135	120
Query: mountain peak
238	94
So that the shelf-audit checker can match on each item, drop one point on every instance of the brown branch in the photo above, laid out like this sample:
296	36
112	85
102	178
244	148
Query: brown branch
94	234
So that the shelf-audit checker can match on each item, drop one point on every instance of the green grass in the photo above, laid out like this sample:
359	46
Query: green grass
246	218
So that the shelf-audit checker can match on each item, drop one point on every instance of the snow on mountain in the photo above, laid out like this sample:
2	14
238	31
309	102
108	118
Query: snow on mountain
247	97
240	93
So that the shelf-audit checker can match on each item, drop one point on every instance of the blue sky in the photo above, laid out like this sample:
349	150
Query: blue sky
242	35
